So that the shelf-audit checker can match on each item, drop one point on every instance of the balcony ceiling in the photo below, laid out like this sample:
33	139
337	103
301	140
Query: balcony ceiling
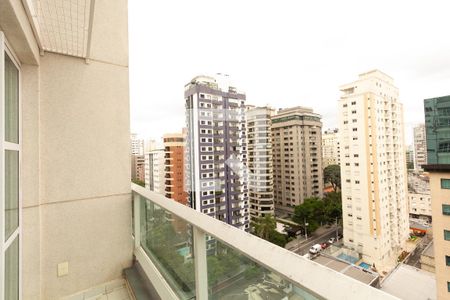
62	26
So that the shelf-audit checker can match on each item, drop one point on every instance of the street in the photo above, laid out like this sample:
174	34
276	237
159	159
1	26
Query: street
303	247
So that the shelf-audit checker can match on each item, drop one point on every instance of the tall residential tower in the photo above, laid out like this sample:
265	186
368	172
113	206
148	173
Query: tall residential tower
216	172
297	157
260	178
373	168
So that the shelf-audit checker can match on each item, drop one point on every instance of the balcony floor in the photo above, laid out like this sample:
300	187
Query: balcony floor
113	290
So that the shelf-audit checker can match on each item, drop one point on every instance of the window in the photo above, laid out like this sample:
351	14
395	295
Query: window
445	183
448	286
447	235
446	209
9	160
447	260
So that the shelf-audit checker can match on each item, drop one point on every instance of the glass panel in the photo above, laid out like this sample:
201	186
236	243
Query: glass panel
445	183
167	241
232	275
447	235
446	209
447	260
11	101
12	271
11	192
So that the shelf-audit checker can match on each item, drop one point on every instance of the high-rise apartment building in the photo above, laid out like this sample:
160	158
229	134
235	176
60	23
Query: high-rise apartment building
137	145
420	146
297	157
259	156
216	172
155	170
174	167
138	167
437	120
330	147
373	168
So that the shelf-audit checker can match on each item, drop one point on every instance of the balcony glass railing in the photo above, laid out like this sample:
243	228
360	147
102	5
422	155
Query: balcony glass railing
189	255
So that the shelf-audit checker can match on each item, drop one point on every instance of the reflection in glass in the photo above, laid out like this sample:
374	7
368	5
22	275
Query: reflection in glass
11	192
12	271
11	101
167	241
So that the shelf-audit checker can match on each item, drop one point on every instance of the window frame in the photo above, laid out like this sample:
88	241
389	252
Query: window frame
445	180
6	49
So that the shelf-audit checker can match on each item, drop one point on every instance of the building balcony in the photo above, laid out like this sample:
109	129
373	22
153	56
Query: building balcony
191	255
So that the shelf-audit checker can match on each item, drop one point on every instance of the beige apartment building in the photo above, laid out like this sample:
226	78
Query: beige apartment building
440	206
155	170
330	147
373	168
297	157
259	158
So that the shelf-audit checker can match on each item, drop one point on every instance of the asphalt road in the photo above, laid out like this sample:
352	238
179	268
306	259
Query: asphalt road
303	248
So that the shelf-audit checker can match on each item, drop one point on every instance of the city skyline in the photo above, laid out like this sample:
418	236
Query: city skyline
302	65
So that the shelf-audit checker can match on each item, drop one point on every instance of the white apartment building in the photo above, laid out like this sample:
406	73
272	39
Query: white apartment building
373	168
419	195
137	145
260	165
154	170
330	148
420	146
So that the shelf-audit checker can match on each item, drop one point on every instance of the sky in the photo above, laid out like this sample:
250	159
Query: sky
283	53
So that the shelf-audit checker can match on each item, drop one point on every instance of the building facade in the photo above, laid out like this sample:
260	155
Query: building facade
155	171
330	147
216	150
373	168
419	196
174	167
260	166
297	157
137	145
138	167
420	147
437	118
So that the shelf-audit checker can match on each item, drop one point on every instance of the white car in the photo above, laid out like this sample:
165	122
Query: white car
315	249
332	240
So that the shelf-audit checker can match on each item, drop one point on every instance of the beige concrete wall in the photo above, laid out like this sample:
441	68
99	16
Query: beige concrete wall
76	204
441	222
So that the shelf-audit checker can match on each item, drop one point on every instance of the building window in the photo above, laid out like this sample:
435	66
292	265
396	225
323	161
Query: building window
447	260
448	286
447	235
446	209
445	183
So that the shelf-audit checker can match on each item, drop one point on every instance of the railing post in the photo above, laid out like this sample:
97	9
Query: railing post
201	272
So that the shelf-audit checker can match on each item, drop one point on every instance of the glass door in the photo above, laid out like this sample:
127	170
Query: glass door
10	159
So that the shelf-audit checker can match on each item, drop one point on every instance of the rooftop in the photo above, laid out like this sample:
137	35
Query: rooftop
407	282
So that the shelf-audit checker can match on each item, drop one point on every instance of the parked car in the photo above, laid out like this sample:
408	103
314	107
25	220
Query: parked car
332	240
315	249
324	245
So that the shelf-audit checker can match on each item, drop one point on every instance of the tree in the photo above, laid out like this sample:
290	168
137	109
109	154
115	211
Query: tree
138	182
332	175
311	211
264	226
